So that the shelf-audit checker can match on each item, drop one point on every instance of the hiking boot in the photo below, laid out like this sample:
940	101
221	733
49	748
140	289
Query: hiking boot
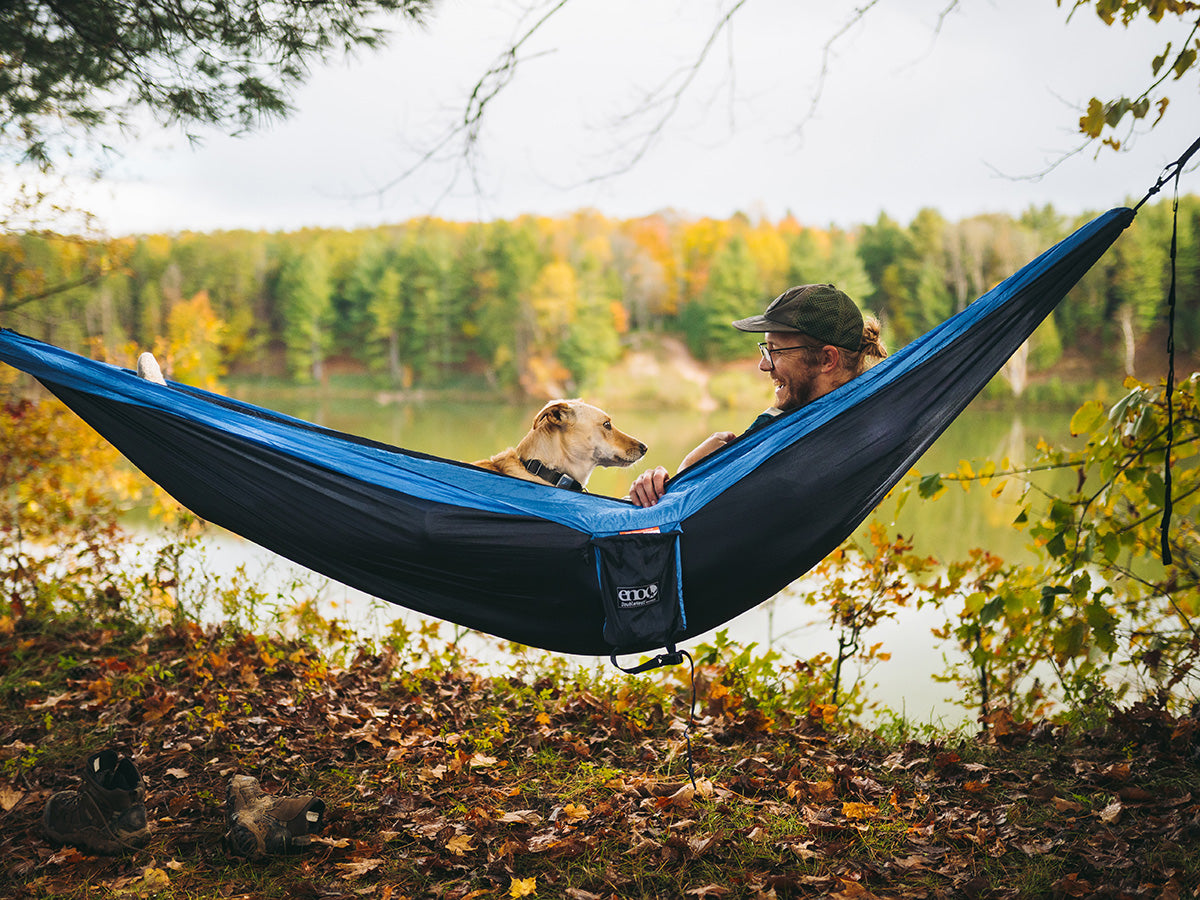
262	825
107	815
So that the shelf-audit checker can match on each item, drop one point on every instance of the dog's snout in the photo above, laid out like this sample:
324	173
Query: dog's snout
641	447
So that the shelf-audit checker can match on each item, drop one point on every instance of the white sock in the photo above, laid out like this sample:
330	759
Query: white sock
147	367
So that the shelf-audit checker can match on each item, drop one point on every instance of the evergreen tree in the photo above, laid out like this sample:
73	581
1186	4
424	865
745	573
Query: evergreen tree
888	255
304	294
76	69
506	323
732	288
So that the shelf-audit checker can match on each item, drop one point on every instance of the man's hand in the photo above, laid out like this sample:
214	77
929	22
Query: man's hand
648	487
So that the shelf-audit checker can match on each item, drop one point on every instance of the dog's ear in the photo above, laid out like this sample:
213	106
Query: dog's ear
555	414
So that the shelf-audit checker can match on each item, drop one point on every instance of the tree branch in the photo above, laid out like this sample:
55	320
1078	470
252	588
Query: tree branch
827	52
661	96
498	75
9	305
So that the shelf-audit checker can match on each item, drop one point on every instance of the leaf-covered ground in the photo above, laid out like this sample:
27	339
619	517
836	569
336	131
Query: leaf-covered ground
445	784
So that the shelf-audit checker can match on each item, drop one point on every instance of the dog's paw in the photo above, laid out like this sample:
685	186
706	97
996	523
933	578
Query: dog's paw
147	367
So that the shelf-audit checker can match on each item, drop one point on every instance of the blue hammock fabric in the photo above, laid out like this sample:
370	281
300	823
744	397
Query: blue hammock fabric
553	568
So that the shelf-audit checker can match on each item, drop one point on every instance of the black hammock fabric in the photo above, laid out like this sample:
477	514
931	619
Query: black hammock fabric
568	572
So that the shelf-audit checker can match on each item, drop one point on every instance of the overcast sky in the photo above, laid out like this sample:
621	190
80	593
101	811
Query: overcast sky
906	118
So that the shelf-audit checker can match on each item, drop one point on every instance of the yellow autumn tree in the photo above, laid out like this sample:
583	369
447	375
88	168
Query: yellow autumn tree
192	350
700	241
769	251
553	297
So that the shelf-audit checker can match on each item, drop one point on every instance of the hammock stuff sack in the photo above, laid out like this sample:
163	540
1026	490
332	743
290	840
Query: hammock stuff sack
564	571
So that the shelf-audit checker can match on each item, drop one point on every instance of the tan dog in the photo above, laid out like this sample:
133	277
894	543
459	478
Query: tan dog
569	438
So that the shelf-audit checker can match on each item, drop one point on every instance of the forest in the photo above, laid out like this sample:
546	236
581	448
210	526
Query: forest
540	305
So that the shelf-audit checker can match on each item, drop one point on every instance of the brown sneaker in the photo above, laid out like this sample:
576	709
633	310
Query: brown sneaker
262	825
107	815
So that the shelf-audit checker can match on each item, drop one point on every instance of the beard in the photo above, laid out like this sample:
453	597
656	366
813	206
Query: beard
796	391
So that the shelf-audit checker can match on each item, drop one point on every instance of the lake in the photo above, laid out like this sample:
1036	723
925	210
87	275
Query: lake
946	528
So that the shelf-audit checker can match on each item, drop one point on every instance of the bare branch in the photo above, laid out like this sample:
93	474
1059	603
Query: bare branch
826	53
937	29
7	306
668	100
1039	175
498	75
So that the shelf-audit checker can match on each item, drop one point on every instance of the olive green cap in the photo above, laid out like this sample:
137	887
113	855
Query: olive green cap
819	310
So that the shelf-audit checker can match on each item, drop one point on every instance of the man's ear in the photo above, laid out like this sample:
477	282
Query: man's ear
831	358
555	414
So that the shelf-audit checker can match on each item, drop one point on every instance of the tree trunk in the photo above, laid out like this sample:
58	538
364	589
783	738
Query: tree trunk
318	360
1016	370
1125	319
394	356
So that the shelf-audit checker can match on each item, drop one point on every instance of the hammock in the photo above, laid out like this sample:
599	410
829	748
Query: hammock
568	572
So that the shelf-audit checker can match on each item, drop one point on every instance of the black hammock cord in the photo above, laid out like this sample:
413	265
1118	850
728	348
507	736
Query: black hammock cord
1170	173
563	571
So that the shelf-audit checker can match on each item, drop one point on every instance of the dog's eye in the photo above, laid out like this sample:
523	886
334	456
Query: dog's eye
608	425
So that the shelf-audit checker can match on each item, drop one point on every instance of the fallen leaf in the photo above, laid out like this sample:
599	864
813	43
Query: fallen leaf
65	855
852	890
334	843
947	760
821	791
150	880
859	811
682	798
1067	806
519	817
801	849
1132	794
1117	771
177	773
1072	886
1111	814
10	798
479	761
523	887
709	890
368	735
575	811
51	702
358	867
460	844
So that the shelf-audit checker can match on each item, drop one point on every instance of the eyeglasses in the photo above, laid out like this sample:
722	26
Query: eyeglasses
768	351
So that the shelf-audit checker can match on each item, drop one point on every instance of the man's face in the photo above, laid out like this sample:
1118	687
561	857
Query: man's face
797	373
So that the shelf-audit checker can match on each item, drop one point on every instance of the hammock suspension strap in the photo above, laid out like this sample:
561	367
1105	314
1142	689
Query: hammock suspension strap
1170	173
672	657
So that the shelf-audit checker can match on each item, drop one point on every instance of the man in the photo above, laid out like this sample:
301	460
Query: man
816	339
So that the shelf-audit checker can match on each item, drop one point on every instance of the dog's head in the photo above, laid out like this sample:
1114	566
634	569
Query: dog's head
576	437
